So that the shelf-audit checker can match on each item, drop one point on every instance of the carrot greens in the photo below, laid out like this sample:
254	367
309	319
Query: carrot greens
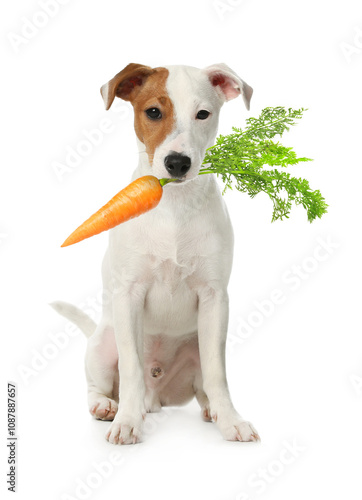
239	159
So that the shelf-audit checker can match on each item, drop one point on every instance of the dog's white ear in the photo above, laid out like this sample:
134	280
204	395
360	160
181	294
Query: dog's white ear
125	84
228	84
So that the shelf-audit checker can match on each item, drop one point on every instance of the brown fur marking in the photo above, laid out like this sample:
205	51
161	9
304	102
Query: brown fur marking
153	94
145	88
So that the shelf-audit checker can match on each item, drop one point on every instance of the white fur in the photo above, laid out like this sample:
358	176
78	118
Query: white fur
104	93
168	272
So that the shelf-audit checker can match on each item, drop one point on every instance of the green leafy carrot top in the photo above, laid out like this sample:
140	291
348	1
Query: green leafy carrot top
239	159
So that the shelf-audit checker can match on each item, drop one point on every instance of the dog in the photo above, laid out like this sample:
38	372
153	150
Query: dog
161	338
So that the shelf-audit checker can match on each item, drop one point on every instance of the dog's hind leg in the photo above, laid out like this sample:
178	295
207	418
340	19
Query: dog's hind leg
101	359
102	372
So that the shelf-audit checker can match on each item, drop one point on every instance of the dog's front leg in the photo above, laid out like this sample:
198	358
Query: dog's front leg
128	307
212	329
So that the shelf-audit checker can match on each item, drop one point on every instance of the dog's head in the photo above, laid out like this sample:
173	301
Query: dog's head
176	110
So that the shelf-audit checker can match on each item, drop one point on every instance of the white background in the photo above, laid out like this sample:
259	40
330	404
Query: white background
297	374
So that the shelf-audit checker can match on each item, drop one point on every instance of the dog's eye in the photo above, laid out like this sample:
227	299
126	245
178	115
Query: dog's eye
154	113
202	114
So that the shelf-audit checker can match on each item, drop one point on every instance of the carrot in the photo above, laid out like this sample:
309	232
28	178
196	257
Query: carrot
139	197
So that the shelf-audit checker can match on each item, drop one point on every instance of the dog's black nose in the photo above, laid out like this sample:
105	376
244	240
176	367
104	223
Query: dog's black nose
177	164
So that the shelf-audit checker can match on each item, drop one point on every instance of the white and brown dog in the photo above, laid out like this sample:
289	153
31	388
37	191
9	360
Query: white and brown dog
161	339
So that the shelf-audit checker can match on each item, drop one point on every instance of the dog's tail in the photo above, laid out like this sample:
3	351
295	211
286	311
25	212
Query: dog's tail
76	316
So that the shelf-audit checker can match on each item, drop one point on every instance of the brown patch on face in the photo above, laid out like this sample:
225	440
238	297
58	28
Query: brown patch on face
153	94
145	88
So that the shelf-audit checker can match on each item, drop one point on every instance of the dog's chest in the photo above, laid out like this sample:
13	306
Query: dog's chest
172	248
171	300
170	273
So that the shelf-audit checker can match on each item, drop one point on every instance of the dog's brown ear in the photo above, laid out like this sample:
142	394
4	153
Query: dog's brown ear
228	84
126	83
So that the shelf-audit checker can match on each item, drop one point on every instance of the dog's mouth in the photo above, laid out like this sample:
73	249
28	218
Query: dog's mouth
172	180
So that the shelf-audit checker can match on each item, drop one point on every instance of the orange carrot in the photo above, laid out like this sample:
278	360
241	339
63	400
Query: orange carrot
139	197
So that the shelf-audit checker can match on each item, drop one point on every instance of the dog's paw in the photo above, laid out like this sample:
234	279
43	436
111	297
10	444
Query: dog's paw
236	429
103	408
152	403
244	431
121	431
206	414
